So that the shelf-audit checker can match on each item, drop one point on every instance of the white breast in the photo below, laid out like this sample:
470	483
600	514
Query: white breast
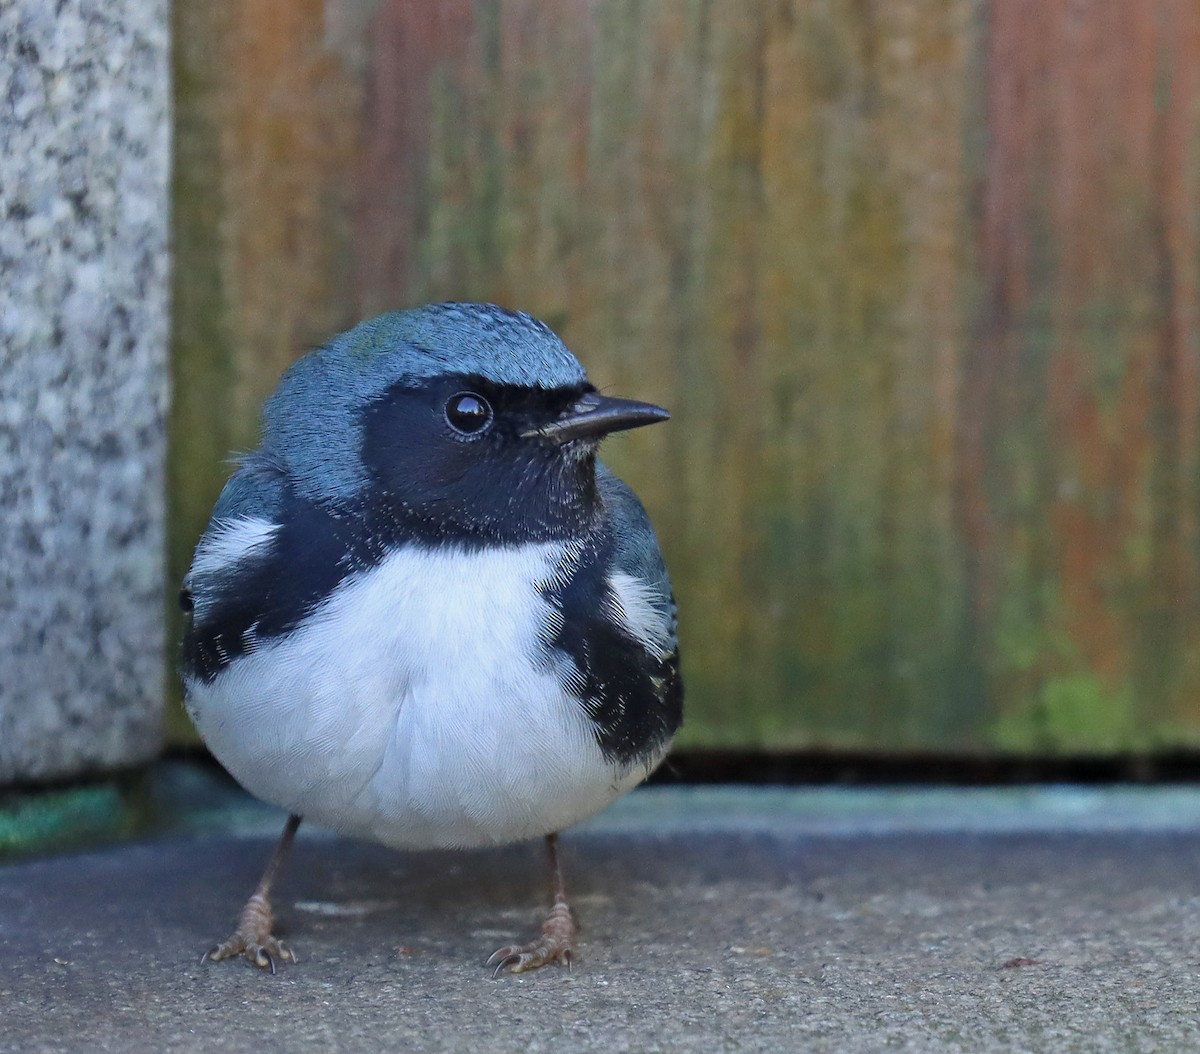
416	707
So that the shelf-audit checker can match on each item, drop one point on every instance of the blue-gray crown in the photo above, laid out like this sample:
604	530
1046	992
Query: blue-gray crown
311	423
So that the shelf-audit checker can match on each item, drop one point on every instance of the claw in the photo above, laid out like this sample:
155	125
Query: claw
508	960
260	950
502	958
528	957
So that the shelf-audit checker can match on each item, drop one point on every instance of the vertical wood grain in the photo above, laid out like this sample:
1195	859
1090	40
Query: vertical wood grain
917	278
1080	441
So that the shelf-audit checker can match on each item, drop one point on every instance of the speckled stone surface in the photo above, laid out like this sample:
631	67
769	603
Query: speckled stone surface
84	163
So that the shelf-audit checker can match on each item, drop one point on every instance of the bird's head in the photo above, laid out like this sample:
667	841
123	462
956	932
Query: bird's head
468	420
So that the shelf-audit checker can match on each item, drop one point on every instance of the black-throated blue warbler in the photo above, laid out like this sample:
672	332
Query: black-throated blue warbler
423	612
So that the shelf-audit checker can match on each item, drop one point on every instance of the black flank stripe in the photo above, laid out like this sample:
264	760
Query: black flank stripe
634	698
269	594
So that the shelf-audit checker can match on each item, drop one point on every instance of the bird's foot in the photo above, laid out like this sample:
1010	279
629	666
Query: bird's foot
556	944
253	938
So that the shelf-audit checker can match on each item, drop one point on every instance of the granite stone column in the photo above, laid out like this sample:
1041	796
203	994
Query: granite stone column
84	159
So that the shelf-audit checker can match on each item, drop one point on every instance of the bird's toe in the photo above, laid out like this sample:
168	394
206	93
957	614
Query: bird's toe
555	944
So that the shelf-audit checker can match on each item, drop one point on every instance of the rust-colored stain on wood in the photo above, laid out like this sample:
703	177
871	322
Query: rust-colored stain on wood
918	279
1079	473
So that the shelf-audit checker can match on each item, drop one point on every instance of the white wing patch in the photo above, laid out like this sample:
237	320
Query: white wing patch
643	611
232	542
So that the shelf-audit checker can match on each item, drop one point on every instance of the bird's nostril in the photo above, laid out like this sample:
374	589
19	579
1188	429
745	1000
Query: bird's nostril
587	403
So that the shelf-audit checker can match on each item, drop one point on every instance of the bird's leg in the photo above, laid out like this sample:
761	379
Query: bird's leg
557	942
253	937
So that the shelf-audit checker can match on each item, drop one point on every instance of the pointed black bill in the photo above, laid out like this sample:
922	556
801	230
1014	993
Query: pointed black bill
597	415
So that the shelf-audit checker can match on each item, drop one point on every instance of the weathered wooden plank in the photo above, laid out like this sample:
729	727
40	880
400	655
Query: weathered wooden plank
1080	447
918	280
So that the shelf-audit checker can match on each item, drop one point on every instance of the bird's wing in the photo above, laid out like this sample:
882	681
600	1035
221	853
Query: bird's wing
255	488
629	665
246	516
637	555
225	592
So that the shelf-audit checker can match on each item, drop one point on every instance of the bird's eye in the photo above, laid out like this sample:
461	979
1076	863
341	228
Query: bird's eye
468	413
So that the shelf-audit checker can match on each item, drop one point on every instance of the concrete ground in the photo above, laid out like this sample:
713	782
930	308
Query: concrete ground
713	920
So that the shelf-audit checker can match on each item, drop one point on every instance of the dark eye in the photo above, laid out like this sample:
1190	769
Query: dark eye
468	413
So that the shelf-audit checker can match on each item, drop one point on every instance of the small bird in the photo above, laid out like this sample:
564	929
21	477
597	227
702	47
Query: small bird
423	612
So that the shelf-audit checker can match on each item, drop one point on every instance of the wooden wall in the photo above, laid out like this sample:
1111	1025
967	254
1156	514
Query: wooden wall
917	278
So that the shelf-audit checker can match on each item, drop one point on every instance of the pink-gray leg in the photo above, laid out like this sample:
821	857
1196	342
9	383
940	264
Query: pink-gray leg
253	938
557	940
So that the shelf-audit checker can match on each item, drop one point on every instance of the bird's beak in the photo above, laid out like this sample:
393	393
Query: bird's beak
597	415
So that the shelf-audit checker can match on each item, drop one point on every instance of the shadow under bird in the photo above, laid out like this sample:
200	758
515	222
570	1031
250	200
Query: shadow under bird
423	612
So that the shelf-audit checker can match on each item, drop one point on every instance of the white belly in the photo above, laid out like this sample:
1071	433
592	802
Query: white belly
415	708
